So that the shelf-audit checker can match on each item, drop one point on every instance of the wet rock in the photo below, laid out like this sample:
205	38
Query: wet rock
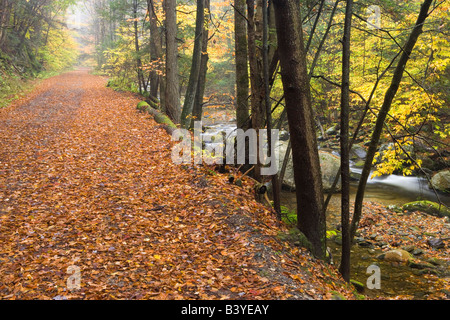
420	265
359	163
420	272
332	131
329	165
284	135
441	181
435	261
436	243
366	244
358	152
397	255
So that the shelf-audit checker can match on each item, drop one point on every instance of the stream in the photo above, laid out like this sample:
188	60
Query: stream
387	190
395	279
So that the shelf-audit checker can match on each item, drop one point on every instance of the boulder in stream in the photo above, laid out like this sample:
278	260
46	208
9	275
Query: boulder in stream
329	165
441	181
396	255
358	152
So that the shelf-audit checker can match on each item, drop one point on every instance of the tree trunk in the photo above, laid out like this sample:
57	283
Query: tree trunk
136	46
155	48
384	110
275	182
172	87
310	213
5	9
197	111
344	268
241	56
155	33
186	115
256	72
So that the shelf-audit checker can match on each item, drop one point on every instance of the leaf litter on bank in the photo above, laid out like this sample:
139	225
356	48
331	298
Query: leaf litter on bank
92	184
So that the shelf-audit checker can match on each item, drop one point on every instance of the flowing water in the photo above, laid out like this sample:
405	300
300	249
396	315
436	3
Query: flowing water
395	279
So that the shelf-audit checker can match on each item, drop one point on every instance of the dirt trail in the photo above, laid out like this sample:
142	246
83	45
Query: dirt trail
87	181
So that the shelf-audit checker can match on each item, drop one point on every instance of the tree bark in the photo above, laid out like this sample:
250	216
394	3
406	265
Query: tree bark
241	56
197	111
344	267
275	181
5	10
186	115
384	110
309	191
172	92
254	29
155	33
137	48
155	48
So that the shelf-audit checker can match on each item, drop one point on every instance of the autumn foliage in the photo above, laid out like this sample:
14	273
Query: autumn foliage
88	181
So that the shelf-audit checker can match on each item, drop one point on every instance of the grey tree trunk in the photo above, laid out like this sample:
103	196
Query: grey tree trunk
254	29
172	86
137	49
241	56
309	191
344	267
276	187
189	100
157	50
197	111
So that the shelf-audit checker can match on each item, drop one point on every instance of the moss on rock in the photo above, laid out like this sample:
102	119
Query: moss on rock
428	207
142	106
158	116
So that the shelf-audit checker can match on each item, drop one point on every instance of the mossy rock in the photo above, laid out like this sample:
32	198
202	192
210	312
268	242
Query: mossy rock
163	119
142	106
159	117
429	207
358	285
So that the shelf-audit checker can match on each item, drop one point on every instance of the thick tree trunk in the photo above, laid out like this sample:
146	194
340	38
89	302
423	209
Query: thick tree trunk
256	72
384	110
276	188
137	48
155	33
310	213
155	48
344	137
5	10
189	100
197	111
172	86
241	56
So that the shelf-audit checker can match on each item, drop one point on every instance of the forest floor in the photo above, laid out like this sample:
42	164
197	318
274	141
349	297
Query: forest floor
88	185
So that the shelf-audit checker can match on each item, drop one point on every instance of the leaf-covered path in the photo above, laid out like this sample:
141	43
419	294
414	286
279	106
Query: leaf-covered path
87	181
